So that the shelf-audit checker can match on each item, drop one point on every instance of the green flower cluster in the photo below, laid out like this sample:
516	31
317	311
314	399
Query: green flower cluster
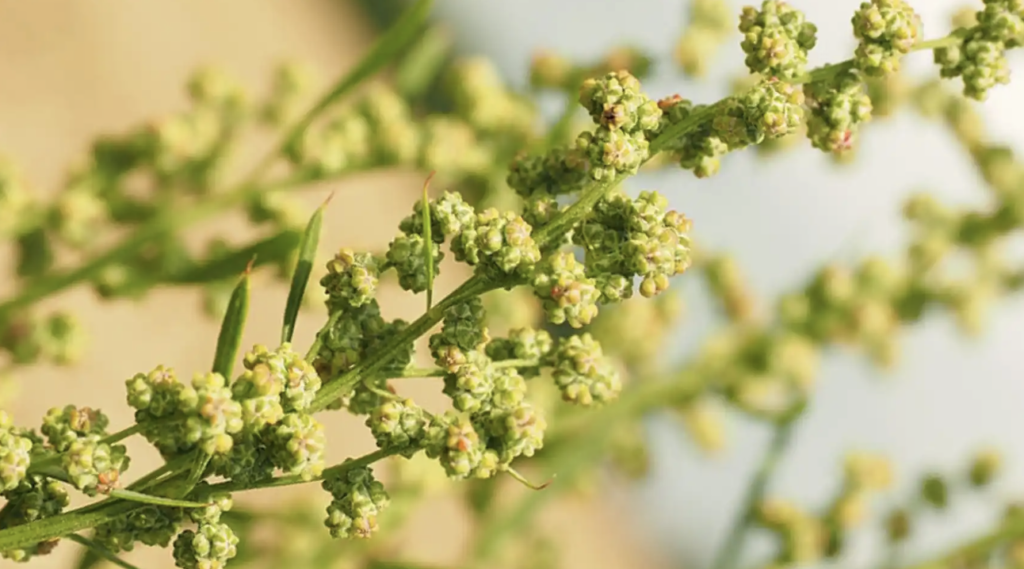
583	373
625	117
150	526
980	55
837	108
15	454
357	499
623	239
776	39
499	244
769	110
27	338
92	465
250	428
886	30
34	498
351	279
212	544
808	538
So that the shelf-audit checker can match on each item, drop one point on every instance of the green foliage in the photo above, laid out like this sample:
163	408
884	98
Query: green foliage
523	204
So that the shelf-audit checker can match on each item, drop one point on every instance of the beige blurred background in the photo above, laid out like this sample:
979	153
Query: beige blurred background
70	71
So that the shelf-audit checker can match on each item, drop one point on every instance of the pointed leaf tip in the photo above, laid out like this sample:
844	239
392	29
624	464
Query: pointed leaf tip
303	269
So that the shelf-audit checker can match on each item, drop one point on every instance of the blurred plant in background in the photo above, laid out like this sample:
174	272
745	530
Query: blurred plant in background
548	357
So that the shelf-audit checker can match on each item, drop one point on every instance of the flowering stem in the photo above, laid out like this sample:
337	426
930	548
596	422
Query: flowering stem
1009	530
733	546
27	535
382	52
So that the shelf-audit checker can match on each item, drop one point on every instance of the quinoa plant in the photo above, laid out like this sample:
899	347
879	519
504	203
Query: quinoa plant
547	351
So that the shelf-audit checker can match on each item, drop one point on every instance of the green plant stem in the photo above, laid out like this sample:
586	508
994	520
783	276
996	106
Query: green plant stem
27	535
1005	532
732	547
386	47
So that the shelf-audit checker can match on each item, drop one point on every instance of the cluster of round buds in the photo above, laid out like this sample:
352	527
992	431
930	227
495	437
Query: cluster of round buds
521	344
842	305
256	424
565	290
776	39
498	244
152	526
864	474
347	341
726	283
583	373
708	26
771	109
462	333
624	238
398	424
486	442
886	30
290	81
15	451
557	171
351	279
700	150
449	215
802	535
357	499
482	99
92	465
34	498
407	254
212	544
15	200
57	338
175	417
979	57
837	108
625	117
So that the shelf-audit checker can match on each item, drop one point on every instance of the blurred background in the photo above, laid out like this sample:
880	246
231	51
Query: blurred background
72	71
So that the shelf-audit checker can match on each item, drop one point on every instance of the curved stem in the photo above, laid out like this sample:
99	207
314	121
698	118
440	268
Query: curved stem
732	547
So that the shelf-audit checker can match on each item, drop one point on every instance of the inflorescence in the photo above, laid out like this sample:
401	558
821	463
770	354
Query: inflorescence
574	240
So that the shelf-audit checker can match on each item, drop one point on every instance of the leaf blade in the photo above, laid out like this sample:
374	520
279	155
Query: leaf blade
230	338
133	496
388	47
303	269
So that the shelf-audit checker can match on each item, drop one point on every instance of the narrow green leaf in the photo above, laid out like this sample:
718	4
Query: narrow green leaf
428	244
134	496
94	553
195	474
89	557
231	328
423	63
384	51
303	268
